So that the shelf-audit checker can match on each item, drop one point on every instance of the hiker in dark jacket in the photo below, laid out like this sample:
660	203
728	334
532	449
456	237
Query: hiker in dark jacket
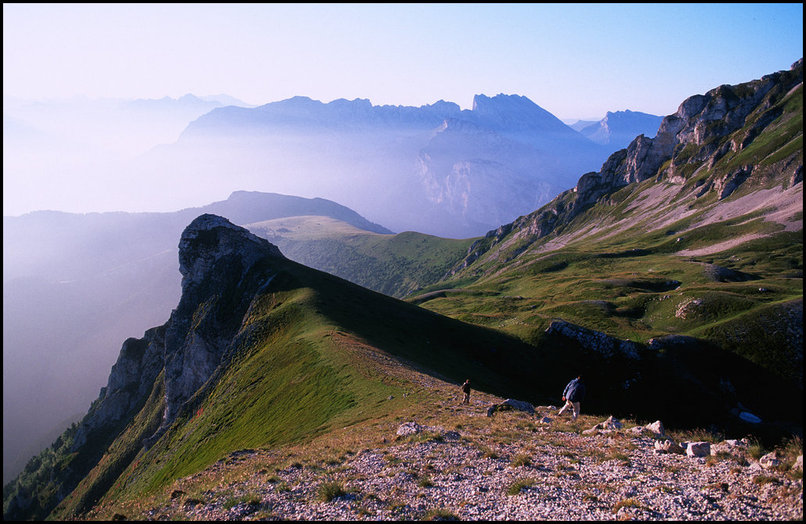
573	394
466	391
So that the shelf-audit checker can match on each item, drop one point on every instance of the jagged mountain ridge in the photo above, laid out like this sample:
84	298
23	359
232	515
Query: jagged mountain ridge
435	169
686	152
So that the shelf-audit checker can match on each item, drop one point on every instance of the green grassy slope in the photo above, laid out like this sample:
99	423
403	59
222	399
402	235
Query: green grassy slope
325	354
394	265
666	256
314	353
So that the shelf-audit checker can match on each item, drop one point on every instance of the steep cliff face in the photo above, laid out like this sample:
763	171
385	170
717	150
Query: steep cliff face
216	260
704	143
223	266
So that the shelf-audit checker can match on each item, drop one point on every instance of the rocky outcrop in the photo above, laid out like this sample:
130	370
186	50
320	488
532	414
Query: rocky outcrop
698	449
668	446
611	424
222	267
596	341
509	405
216	260
130	381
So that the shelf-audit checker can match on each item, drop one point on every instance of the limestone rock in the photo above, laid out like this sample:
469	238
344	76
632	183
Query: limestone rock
222	266
639	431
216	259
595	340
668	446
798	465
729	446
510	404
698	449
656	427
611	424
408	428
770	460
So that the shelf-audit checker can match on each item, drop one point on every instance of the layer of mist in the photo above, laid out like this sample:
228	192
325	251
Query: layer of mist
77	285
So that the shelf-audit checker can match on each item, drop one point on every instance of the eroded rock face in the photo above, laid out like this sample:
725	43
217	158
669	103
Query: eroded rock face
595	340
215	259
211	240
130	381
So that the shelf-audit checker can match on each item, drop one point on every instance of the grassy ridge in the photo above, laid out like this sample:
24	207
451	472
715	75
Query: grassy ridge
315	353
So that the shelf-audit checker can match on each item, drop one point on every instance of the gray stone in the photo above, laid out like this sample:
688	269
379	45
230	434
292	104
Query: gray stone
668	446
770	460
595	340
408	428
656	427
729	446
510	404
639	431
698	449
520	405
611	424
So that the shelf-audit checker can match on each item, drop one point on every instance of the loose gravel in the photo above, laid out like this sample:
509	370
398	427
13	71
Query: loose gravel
540	474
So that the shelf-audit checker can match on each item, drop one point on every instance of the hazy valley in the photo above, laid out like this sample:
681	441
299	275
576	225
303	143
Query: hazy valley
103	277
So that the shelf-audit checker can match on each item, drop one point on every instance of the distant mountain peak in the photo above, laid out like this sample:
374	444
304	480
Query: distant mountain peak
618	128
481	102
516	115
500	104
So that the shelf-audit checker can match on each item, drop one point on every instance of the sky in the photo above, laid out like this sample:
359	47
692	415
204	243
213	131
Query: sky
577	61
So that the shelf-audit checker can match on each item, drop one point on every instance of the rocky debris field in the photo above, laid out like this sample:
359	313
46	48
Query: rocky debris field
510	466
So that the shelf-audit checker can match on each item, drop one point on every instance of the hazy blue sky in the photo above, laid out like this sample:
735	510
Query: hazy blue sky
575	60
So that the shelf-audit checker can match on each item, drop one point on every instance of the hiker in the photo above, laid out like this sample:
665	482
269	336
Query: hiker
466	390
573	394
